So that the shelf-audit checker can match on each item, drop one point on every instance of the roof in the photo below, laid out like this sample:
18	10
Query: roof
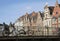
51	8
31	16
1	24
20	18
42	15
45	6
59	5
26	14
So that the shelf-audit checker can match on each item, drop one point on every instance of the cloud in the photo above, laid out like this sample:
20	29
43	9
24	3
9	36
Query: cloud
28	7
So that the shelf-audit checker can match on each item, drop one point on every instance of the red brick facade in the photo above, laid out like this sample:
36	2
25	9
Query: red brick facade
56	11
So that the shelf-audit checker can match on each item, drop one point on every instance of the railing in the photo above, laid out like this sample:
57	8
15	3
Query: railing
38	31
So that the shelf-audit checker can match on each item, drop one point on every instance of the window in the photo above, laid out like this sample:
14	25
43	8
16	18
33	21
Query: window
45	9
46	14
56	12
54	19
49	22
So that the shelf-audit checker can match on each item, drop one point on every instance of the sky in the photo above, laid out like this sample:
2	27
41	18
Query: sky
11	10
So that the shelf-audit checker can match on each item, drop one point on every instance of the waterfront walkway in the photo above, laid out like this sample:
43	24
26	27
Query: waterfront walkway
27	37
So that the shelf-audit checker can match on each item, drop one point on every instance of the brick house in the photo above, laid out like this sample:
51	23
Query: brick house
56	17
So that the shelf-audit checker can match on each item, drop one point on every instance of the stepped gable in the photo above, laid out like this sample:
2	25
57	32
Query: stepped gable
27	15
21	18
51	8
34	15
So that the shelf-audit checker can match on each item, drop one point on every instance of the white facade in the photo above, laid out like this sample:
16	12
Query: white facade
19	25
47	17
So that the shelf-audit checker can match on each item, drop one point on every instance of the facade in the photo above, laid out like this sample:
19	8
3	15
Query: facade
30	22
47	16
19	24
56	17
47	19
12	30
52	18
26	22
37	23
1	29
6	31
